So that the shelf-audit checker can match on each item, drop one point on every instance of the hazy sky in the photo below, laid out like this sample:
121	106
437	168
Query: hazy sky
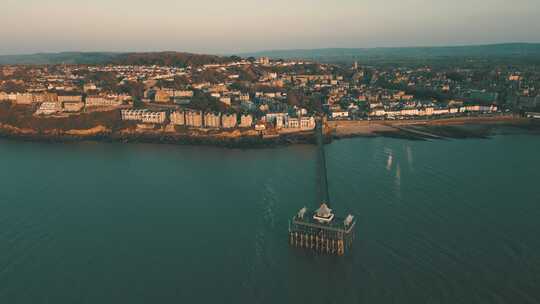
234	26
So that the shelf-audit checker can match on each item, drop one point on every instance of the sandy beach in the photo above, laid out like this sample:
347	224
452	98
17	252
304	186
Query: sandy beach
376	127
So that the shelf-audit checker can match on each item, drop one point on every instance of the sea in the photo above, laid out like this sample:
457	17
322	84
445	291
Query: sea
438	221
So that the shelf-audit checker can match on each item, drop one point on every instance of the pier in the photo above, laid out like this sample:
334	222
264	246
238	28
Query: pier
321	231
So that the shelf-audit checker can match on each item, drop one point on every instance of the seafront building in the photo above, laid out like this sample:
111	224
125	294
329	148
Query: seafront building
307	123
229	121
194	119
153	117
212	121
133	114
48	108
144	115
293	123
177	118
246	121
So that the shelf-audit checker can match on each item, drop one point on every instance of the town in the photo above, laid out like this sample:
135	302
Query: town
266	96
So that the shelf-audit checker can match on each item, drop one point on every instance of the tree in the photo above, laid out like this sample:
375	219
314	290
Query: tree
295	97
180	82
12	87
107	80
235	58
314	104
133	88
201	101
455	76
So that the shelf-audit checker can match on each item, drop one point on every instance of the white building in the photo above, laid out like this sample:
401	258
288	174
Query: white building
409	112
177	118
246	121
274	117
48	108
340	114
293	123
193	119
133	114
212	120
307	123
154	117
102	101
279	122
229	121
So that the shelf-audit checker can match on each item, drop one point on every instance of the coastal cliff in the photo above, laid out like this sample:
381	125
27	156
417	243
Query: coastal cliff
233	138
18	123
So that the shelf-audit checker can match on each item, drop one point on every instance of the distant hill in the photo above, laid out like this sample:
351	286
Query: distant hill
509	50
158	58
169	59
60	58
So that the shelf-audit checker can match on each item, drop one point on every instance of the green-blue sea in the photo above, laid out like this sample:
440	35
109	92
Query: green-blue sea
440	221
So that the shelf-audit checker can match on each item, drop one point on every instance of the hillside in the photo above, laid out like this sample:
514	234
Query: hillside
169	59
158	58
528	53
511	51
60	58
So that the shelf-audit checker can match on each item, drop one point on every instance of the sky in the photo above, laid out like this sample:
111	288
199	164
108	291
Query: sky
238	26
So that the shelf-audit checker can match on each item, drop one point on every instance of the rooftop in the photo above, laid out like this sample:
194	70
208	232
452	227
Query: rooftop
336	224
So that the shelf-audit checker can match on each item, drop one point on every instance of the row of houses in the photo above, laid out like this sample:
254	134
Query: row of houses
90	101
283	120
144	115
30	98
198	119
303	123
51	103
168	95
430	111
103	101
189	118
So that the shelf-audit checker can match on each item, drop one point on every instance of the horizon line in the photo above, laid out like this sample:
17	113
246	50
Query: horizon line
273	50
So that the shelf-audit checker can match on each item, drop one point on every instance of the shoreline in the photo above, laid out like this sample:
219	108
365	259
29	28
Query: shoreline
445	128
101	134
461	127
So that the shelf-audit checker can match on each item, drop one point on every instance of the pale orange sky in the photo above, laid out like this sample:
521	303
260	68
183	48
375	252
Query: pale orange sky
235	26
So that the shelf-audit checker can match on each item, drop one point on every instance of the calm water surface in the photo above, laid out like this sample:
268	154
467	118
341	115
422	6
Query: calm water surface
453	221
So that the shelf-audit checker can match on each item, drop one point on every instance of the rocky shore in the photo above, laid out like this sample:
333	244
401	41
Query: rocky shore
232	139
